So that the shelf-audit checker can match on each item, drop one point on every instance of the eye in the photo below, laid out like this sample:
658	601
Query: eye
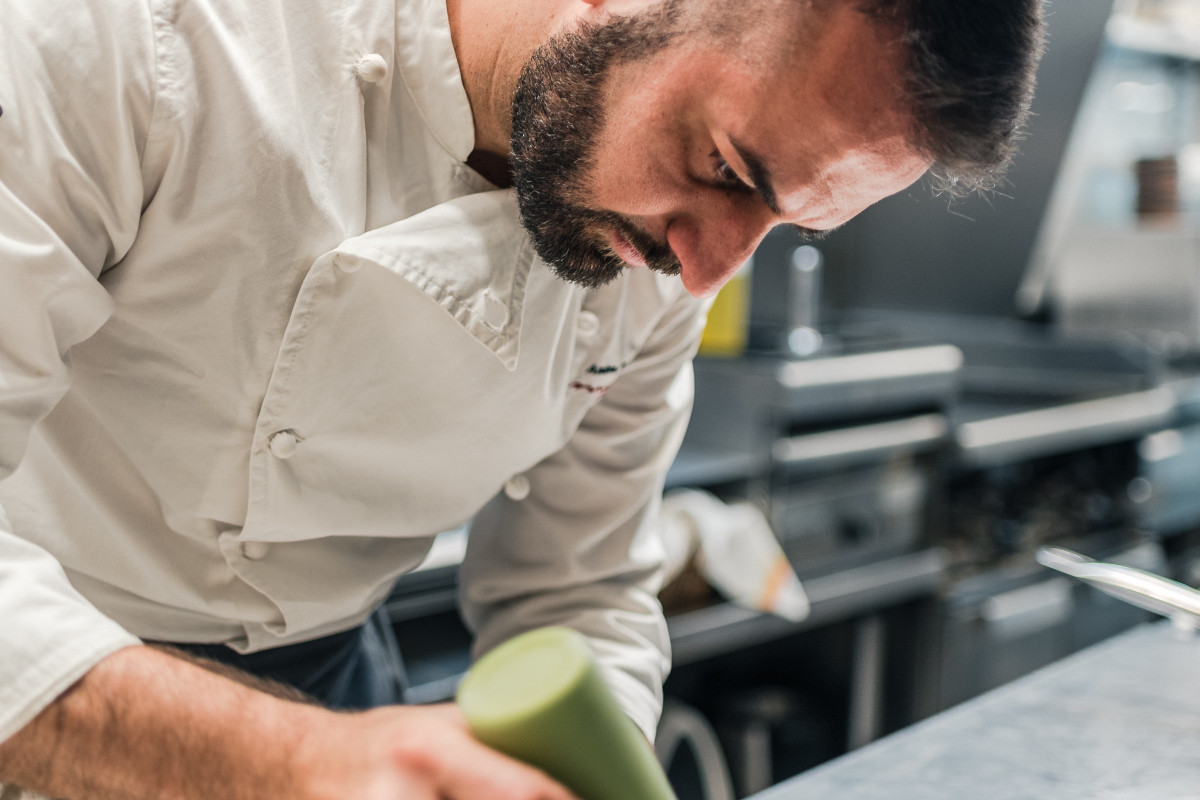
725	176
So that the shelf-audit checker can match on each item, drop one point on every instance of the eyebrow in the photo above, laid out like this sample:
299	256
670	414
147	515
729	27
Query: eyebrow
760	176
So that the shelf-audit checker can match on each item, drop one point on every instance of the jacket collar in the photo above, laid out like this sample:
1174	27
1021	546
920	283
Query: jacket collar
426	60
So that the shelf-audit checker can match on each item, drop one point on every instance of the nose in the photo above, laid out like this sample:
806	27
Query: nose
715	238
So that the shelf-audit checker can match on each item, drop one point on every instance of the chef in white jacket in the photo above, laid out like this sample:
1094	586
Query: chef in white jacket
269	321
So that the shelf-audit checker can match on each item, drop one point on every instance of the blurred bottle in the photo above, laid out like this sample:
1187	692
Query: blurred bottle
725	333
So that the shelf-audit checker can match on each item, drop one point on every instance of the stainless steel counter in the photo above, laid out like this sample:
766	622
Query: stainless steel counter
1119	721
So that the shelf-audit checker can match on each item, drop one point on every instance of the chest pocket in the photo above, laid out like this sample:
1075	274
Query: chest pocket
391	415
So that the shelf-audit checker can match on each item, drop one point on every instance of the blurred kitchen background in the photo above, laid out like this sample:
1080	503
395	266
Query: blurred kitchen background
911	407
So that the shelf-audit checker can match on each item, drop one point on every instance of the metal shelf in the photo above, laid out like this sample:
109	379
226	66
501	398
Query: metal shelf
1151	36
725	627
1060	428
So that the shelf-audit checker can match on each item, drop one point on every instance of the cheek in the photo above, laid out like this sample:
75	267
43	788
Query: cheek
636	168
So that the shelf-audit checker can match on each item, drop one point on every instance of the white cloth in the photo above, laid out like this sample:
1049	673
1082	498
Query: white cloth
734	550
263	334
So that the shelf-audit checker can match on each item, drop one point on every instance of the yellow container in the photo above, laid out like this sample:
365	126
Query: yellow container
725	332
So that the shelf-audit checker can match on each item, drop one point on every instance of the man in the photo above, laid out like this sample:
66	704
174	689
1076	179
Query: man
268	325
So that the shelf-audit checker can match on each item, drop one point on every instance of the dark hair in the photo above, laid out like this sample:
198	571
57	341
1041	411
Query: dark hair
972	66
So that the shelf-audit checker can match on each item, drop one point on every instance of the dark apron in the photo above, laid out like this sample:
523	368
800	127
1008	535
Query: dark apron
353	670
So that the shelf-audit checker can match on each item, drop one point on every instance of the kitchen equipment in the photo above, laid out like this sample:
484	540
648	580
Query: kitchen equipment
771	733
785	301
540	698
1143	589
1142	282
682	732
834	446
1014	616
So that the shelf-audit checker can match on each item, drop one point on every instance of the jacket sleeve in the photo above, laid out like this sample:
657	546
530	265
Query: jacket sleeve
76	80
582	550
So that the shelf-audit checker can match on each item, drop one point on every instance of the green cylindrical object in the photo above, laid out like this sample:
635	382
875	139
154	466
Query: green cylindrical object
540	698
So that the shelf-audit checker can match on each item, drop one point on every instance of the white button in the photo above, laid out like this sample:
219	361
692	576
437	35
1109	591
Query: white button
255	550
283	444
588	323
517	487
346	263
371	68
495	313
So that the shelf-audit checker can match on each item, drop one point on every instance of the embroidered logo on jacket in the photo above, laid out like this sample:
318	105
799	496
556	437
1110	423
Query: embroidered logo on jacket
587	387
598	369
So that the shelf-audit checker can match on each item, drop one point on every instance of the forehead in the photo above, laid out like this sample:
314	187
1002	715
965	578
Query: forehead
821	100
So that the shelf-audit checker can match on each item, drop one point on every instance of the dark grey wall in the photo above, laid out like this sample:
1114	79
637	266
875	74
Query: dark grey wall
912	252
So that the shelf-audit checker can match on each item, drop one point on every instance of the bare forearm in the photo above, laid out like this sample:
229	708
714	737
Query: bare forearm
144	724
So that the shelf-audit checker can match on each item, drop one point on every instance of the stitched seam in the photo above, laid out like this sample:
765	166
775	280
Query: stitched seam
444	297
158	85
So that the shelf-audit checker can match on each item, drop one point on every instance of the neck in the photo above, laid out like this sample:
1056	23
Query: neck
493	39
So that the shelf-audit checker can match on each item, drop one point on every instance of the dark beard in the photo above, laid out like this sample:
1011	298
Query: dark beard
557	116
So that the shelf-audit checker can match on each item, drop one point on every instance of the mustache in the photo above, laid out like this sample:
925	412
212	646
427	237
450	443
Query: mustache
659	255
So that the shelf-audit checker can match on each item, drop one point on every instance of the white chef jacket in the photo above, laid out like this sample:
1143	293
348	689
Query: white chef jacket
263	334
